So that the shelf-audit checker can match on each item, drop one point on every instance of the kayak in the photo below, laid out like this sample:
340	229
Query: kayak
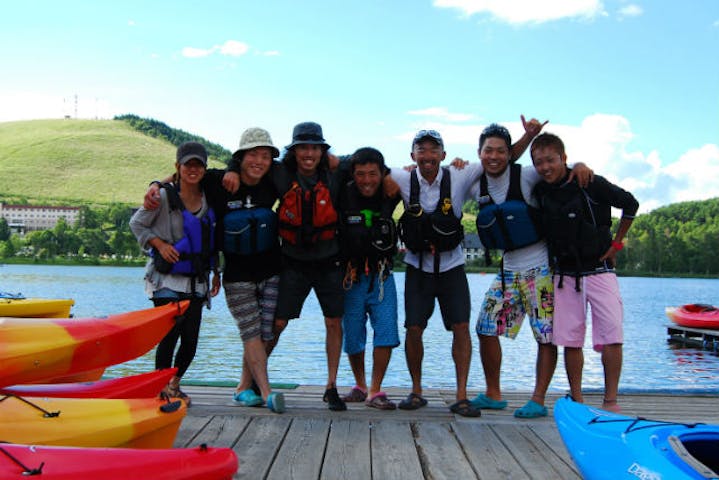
694	315
606	445
72	463
88	376
35	349
96	422
35	307
144	385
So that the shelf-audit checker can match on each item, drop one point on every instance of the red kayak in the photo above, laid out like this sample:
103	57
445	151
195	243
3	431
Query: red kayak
72	463
694	315
145	385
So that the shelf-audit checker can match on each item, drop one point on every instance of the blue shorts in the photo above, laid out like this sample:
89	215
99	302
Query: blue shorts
359	303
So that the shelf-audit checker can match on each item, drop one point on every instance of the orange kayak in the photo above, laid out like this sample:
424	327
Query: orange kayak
96	422
144	385
72	463
35	349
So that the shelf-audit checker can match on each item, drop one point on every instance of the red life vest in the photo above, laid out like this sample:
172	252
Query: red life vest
307	216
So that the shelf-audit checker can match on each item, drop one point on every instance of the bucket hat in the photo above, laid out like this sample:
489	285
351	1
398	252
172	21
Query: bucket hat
190	151
257	137
307	133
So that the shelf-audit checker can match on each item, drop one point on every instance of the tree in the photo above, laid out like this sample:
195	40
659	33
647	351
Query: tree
5	231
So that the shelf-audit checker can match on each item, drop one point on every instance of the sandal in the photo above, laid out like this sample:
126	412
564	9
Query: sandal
412	402
380	401
276	402
483	401
335	402
355	395
247	398
465	409
531	409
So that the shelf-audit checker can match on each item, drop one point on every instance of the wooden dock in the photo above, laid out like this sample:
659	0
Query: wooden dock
310	442
694	337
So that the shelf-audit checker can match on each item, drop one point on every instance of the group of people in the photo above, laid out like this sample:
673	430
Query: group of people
333	232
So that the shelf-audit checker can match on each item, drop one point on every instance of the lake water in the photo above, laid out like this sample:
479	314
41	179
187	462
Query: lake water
650	363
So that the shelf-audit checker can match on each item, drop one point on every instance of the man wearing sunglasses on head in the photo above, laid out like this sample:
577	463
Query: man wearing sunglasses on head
432	233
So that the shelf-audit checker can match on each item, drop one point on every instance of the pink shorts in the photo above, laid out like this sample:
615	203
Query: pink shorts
601	293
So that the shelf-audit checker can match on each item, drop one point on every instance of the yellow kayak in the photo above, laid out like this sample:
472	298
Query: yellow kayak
97	422
35	307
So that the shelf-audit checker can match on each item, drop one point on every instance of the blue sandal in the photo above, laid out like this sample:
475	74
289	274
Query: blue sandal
276	402
531	409
247	398
483	401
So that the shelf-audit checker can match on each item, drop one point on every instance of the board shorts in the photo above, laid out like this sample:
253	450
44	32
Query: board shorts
451	290
528	292
599	291
364	300
298	278
252	305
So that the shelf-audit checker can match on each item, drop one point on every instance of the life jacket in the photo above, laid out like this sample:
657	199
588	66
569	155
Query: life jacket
438	231
248	228
574	236
509	225
196	247
307	216
367	237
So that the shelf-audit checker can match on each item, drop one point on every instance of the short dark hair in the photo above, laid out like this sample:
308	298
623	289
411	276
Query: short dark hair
495	130
365	155
548	140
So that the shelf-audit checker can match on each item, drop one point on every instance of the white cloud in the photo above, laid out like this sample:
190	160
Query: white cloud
630	11
527	11
131	23
271	53
443	113
231	48
716	23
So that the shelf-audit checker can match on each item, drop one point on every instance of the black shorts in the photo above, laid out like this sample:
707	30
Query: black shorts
298	278
450	288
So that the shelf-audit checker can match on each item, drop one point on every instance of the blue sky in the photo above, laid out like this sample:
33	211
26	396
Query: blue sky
631	86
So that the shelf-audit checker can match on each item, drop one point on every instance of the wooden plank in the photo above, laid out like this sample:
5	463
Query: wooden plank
348	451
258	445
486	452
550	435
531	457
221	431
302	451
394	454
440	453
189	428
552	446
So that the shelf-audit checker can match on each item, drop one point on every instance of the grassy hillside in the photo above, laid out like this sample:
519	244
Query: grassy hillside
80	162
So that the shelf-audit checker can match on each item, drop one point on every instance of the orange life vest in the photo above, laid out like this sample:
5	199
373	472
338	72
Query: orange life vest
307	216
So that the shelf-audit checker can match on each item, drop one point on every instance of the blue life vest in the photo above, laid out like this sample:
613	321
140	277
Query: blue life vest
250	230
196	247
509	225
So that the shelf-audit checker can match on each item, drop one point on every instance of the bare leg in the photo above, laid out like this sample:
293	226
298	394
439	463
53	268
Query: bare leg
277	329
574	364
357	364
462	356
333	347
380	361
612	362
255	358
490	352
414	353
546	364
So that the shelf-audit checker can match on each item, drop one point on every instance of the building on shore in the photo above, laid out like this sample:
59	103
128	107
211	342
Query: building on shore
26	218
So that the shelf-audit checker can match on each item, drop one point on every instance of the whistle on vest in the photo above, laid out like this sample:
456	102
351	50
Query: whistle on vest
446	205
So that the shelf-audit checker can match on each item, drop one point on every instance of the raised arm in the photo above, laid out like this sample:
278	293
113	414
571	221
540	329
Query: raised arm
532	128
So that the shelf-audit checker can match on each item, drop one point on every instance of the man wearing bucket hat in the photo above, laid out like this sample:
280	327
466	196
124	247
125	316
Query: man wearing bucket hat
248	240
308	221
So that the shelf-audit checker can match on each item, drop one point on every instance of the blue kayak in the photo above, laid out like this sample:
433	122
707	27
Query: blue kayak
606	445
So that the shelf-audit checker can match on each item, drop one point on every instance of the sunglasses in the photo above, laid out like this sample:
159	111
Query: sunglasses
428	133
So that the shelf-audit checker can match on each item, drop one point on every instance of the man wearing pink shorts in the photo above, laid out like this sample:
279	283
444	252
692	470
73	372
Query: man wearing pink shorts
577	223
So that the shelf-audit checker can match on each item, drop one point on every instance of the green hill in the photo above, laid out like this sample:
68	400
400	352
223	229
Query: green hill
76	162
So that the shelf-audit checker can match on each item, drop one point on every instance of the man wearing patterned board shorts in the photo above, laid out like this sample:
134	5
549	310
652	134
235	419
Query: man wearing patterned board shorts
523	285
578	223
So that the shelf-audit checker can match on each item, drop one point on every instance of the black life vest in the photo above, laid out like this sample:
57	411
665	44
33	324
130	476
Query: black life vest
196	247
509	225
250	228
367	236
307	216
574	237
438	231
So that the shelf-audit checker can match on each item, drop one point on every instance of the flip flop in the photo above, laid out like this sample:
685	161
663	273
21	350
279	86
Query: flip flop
412	402
380	401
483	401
531	409
247	398
276	402
465	409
